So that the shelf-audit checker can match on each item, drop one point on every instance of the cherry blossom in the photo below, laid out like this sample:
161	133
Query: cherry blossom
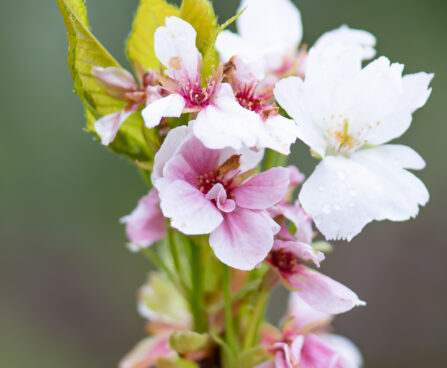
121	84
304	343
146	224
206	191
289	255
346	113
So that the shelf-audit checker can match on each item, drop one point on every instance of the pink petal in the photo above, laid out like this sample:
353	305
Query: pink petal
218	193
116	81
300	218
244	238
146	223
108	126
147	352
317	354
296	177
300	250
173	141
304	318
321	292
189	210
264	190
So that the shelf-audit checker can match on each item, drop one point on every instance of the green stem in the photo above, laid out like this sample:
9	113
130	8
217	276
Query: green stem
269	159
197	305
173	246
157	261
229	327
256	319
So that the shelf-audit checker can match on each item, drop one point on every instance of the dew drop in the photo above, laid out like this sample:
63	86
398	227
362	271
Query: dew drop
321	188
326	209
337	207
352	193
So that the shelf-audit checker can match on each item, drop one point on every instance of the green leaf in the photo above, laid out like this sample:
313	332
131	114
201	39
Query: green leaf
151	14
176	363
251	357
210	56
200	14
85	51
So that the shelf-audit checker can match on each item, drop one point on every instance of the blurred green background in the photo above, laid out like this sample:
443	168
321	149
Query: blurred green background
67	282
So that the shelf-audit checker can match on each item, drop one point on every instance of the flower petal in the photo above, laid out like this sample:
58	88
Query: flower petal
226	123
352	357
349	36
272	26
218	193
370	185
316	353
147	352
244	238
175	47
300	250
321	292
116	81
108	126
280	133
173	141
304	318
289	93
146	223
263	190
170	106
190	212
415	92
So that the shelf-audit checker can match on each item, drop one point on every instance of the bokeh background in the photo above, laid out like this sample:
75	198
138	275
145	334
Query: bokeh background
67	282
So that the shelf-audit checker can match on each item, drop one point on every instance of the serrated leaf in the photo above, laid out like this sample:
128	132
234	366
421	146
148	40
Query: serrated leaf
85	51
200	14
151	14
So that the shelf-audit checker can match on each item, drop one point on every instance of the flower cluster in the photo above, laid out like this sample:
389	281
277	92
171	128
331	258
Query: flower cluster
210	119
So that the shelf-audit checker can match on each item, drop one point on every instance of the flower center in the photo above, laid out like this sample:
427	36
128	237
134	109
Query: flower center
197	96
344	140
284	260
206	181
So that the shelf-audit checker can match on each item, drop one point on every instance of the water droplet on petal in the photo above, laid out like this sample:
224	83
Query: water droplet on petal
321	188
337	207
326	209
352	193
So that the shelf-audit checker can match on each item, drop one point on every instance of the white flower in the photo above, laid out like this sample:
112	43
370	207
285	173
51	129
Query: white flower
345	114
269	32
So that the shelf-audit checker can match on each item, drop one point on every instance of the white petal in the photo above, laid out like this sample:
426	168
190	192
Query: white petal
348	36
190	212
344	194
170	106
108	126
273	26
290	94
171	144
229	44
280	134
226	123
415	92
372	94
175	47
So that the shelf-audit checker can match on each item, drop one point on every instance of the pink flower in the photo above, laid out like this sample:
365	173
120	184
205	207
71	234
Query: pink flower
254	92
146	224
120	84
208	191
289	254
303	342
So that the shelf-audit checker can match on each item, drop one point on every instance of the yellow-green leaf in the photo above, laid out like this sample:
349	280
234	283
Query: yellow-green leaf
200	14
151	14
85	51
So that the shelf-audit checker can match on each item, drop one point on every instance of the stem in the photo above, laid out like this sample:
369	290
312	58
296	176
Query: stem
157	261
173	246
256	319
229	328
197	306
269	159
